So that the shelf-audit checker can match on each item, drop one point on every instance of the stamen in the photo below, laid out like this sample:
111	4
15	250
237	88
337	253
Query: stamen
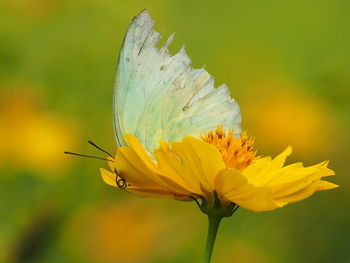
237	152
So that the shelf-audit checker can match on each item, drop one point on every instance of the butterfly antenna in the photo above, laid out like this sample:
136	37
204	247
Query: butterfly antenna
89	156
93	144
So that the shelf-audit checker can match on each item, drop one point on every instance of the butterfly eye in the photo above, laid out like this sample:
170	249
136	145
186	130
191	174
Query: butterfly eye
121	183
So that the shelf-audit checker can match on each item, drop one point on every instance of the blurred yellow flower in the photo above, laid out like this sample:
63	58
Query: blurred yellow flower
33	9
219	169
283	114
30	137
127	232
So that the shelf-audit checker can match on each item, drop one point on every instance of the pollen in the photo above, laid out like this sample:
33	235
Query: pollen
237	152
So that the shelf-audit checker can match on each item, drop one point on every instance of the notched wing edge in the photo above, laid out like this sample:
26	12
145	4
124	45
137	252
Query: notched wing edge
144	23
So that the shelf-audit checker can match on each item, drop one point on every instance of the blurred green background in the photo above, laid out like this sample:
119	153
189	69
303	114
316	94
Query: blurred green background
287	64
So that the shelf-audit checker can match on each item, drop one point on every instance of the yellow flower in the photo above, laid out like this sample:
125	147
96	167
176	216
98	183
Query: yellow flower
285	114
32	138
219	169
115	230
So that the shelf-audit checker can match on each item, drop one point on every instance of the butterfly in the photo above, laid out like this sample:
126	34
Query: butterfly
159	96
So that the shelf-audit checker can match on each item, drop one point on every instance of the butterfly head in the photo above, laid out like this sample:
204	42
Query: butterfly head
121	183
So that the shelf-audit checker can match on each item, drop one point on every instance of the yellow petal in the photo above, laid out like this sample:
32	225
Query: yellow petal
261	201
301	194
260	171
166	160
150	192
231	182
253	170
194	161
235	187
111	163
299	183
135	144
328	171
289	189
324	185
108	177
295	172
174	187
280	159
289	174
132	168
136	166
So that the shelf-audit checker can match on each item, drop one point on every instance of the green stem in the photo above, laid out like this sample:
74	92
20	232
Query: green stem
214	222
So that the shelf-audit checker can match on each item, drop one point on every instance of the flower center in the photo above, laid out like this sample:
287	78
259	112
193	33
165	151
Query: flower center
237	152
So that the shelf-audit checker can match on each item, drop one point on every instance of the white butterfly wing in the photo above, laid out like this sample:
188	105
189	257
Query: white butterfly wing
160	96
